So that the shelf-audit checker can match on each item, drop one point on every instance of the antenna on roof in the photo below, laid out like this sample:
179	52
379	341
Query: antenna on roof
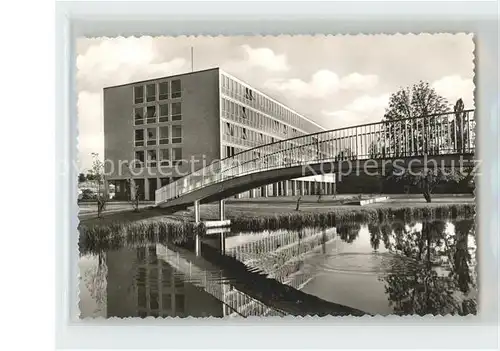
192	59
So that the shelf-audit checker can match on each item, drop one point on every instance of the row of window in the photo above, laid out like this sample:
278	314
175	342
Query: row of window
167	157
247	134
167	303
158	136
155	91
158	113
252	118
229	151
258	101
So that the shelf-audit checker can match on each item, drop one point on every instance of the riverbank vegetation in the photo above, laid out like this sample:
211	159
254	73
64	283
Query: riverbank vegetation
179	228
297	220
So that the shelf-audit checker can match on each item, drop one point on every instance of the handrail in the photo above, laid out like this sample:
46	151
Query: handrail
388	138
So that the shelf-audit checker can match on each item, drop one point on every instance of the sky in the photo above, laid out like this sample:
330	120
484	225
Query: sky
335	81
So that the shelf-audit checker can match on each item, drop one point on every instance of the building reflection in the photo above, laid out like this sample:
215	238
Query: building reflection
141	285
281	253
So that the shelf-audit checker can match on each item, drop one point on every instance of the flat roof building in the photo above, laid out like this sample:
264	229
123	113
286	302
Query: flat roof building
159	130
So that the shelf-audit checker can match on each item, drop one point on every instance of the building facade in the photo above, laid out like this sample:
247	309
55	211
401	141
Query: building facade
157	131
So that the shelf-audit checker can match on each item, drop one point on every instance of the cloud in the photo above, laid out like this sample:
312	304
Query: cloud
122	60
357	81
91	126
265	58
455	87
322	84
112	62
364	109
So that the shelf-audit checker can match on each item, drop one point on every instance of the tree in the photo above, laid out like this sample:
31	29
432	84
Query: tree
346	154
97	177
433	134
134	191
428	179
419	100
81	178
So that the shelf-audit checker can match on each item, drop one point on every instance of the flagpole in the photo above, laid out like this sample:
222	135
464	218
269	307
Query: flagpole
192	60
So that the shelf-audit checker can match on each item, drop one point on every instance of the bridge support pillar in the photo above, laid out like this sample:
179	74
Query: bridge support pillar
264	191
133	192
197	211
222	242
285	188
197	245
146	189
222	210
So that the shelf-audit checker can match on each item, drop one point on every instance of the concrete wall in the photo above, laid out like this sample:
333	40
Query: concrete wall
118	124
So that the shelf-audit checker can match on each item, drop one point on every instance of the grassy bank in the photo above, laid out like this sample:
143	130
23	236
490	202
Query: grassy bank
332	218
97	238
158	226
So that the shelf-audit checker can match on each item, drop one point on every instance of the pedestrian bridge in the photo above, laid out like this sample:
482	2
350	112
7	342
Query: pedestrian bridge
430	141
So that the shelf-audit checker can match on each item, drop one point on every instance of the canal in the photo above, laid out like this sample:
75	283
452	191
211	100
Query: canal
379	268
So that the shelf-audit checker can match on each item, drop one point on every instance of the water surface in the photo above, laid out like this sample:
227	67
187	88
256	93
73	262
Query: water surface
373	268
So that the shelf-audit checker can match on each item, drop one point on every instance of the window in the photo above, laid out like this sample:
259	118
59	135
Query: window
179	303
151	136
139	137
153	300
276	125
139	94
285	129
164	113
244	112
151	158
164	135
163	91
229	151
165	157
176	111
176	89
141	254
138	116
166	302
176	155
139	159
150	92
176	134
229	129
151	114
244	133
141	296
248	94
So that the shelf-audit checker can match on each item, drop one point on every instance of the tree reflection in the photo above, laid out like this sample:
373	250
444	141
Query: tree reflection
95	279
432	272
348	231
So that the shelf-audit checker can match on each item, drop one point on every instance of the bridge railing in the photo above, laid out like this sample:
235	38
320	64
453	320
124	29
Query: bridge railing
447	133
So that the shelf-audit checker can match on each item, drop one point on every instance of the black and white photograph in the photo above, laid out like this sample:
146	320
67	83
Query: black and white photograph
273	176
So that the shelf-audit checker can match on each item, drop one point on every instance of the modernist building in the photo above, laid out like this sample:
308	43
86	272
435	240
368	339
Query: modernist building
150	126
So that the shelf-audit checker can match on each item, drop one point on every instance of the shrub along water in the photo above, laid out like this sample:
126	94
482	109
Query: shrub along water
298	220
115	235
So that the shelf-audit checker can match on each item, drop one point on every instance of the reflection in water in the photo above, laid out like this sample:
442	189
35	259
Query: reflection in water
440	278
378	268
